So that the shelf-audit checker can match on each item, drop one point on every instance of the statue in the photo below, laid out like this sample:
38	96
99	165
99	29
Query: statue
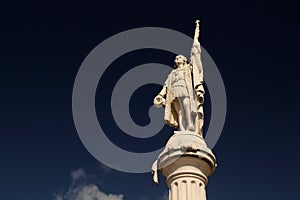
186	161
183	91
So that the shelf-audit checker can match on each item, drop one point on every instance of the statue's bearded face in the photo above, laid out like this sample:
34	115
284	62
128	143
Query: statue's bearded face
179	60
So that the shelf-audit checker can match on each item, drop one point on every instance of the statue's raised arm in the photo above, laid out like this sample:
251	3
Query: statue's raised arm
196	63
196	49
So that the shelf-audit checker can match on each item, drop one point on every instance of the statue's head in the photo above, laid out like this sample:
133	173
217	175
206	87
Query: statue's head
179	59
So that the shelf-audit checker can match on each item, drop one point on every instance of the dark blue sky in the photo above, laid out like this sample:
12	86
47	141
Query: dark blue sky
256	50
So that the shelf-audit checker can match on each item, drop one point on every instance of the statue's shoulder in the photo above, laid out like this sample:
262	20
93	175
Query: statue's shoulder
189	66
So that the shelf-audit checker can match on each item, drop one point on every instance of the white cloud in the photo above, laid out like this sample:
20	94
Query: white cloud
105	169
78	174
88	192
85	191
165	196
58	197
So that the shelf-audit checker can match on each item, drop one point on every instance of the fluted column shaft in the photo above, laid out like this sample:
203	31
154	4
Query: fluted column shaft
187	188
186	178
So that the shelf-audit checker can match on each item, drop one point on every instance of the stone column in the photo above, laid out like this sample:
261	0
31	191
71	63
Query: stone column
186	167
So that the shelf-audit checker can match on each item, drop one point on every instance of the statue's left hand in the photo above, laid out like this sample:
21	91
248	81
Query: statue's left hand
159	101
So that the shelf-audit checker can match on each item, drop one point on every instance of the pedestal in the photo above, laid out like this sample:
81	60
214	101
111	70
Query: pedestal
186	163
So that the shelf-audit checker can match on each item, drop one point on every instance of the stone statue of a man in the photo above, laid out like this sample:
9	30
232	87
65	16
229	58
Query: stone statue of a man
183	91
